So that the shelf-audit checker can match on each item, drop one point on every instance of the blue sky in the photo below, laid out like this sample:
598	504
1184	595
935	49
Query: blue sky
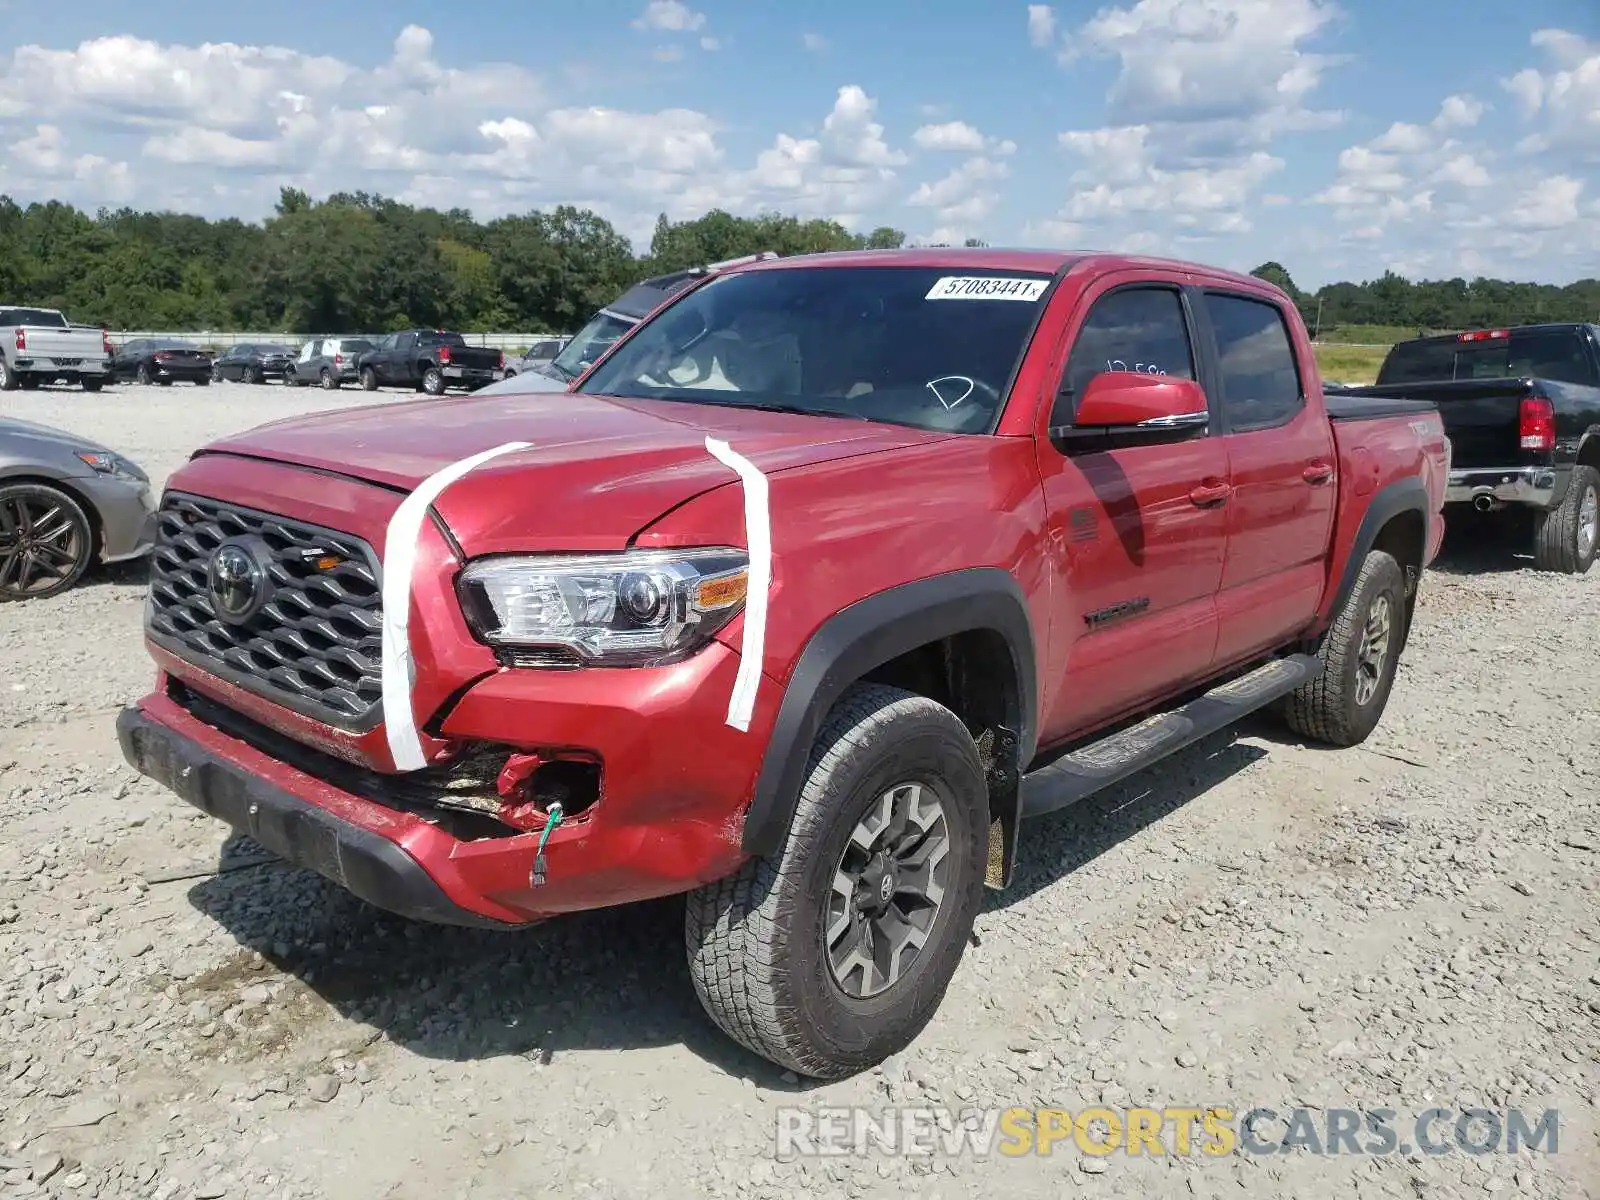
1341	139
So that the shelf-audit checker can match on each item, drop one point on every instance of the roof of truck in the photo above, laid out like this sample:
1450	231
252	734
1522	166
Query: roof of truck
986	258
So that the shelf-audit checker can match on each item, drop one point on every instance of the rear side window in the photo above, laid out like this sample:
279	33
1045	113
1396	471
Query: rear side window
1140	329
1260	380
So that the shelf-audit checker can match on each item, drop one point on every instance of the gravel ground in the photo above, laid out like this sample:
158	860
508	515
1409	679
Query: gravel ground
1412	923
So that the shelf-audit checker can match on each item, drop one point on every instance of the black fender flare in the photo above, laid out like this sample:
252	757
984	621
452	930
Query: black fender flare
1401	496
864	636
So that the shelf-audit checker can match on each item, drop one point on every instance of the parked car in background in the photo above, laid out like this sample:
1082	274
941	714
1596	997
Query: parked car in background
252	362
162	360
1522	409
39	346
65	504
606	327
540	354
1134	522
430	359
327	362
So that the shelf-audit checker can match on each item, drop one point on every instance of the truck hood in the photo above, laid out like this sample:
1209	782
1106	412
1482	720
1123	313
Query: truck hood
598	469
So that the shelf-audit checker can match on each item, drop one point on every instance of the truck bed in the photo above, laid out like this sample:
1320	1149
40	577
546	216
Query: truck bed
1480	415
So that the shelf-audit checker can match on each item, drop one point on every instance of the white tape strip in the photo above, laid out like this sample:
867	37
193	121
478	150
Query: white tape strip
399	562
758	537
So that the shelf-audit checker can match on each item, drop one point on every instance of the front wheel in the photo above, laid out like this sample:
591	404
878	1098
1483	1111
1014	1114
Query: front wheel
216	374
1359	654
835	953
1567	536
142	375
46	542
250	375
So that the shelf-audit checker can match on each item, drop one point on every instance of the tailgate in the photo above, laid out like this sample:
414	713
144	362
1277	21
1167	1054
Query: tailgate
63	343
475	356
1482	417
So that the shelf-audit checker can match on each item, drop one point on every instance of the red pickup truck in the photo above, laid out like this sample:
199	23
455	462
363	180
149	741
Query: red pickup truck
828	574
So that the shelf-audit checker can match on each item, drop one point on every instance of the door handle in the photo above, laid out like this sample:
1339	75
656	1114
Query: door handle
1317	472
1209	495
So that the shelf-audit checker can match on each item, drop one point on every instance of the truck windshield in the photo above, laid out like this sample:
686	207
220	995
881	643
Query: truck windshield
930	348
1556	354
588	344
43	318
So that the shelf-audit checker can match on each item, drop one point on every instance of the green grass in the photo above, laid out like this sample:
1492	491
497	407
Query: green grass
1350	364
1367	335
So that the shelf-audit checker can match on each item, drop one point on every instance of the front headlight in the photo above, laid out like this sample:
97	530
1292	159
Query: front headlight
107	463
638	608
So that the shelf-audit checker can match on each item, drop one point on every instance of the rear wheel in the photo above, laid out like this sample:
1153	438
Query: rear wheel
216	374
369	379
251	374
8	377
835	953
1566	538
1359	656
46	542
433	381
92	384
329	383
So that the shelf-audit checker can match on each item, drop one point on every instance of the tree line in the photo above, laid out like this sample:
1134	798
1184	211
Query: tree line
362	262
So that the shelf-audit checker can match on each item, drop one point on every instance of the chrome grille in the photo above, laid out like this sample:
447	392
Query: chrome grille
314	647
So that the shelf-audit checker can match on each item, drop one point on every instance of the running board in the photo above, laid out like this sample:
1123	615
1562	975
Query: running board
1098	765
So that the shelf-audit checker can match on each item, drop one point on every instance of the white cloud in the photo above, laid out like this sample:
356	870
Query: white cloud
670	16
1564	98
710	43
1041	24
220	128
963	198
1192	61
952	135
814	42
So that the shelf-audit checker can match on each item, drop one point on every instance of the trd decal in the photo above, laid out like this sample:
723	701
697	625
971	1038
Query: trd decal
1104	616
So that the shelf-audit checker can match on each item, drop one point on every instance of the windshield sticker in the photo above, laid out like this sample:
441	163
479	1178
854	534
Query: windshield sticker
961	287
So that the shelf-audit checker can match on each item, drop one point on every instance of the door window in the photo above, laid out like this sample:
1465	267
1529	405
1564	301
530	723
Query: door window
1137	329
1260	380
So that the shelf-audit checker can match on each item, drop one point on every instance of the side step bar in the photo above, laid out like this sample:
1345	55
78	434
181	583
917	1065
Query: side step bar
1098	765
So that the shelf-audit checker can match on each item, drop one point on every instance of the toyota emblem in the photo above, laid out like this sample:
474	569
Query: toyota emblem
236	582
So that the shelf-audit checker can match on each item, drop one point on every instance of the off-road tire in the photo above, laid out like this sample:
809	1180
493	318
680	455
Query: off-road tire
433	381
369	379
1558	533
1327	709
756	944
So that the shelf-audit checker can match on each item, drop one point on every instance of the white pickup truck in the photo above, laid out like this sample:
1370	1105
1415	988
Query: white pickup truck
39	345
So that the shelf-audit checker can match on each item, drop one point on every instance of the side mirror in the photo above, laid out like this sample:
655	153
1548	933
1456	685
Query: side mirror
1127	402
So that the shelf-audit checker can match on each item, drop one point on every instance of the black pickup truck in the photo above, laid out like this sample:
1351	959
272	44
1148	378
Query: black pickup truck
429	359
1522	410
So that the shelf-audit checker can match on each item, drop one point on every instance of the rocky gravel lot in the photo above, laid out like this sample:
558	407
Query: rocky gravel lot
1411	924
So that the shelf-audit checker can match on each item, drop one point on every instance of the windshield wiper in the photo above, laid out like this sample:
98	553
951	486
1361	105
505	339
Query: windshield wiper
804	411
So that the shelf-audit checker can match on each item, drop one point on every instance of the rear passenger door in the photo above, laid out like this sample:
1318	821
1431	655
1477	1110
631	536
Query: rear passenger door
1281	464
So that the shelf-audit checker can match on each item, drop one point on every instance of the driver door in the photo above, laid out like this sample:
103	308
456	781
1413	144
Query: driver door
1137	530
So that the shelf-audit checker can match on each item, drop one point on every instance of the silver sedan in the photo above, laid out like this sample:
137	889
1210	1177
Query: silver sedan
65	504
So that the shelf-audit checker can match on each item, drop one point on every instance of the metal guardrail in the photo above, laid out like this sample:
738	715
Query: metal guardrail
492	341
